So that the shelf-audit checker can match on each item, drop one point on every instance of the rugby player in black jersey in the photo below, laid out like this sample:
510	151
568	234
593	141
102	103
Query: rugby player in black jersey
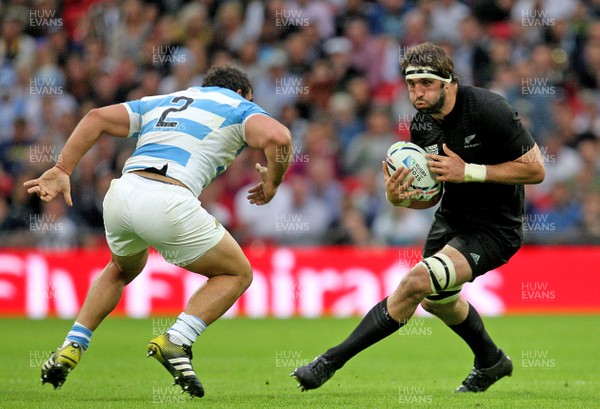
480	149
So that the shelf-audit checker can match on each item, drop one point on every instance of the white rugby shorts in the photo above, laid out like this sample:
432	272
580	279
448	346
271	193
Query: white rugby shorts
140	212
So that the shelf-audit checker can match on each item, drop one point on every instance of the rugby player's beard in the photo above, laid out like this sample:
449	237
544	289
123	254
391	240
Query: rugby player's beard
439	105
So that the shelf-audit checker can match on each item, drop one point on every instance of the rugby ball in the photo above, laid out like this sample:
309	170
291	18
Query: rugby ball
412	156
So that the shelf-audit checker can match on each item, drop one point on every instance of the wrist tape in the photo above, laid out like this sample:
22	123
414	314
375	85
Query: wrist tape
475	173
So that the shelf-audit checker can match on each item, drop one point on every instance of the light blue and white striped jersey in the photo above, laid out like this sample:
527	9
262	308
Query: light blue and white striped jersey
197	132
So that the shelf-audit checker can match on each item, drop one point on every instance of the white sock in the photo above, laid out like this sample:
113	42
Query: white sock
186	329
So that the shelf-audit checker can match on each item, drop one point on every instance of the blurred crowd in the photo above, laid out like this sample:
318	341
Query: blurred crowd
329	70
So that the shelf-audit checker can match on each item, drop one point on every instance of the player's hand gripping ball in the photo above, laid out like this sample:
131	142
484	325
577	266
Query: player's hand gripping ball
411	156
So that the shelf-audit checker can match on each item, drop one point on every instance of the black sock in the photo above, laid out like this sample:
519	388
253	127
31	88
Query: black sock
473	332
374	327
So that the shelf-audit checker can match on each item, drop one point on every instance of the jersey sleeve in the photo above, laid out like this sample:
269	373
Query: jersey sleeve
134	109
507	131
249	109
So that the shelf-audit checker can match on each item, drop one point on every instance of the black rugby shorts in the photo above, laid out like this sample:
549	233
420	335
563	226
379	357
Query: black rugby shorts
484	249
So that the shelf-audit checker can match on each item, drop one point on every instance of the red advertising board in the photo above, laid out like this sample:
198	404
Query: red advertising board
308	282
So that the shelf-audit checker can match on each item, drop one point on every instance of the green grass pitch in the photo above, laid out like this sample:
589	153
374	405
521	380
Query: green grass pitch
245	363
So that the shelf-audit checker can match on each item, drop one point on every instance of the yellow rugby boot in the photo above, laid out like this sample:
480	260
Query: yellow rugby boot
60	363
177	359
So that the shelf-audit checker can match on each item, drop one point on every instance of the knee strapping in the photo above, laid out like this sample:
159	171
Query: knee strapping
442	274
446	296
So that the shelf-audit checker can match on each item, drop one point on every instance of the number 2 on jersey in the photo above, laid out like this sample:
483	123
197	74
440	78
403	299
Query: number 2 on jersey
163	123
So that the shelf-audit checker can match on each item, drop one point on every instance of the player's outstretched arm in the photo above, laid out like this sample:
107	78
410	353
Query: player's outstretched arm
527	169
268	134
113	120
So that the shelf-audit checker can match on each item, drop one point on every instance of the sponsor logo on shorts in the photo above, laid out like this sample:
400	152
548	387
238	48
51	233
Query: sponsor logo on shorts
475	258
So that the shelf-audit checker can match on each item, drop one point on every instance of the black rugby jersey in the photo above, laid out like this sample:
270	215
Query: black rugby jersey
482	128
